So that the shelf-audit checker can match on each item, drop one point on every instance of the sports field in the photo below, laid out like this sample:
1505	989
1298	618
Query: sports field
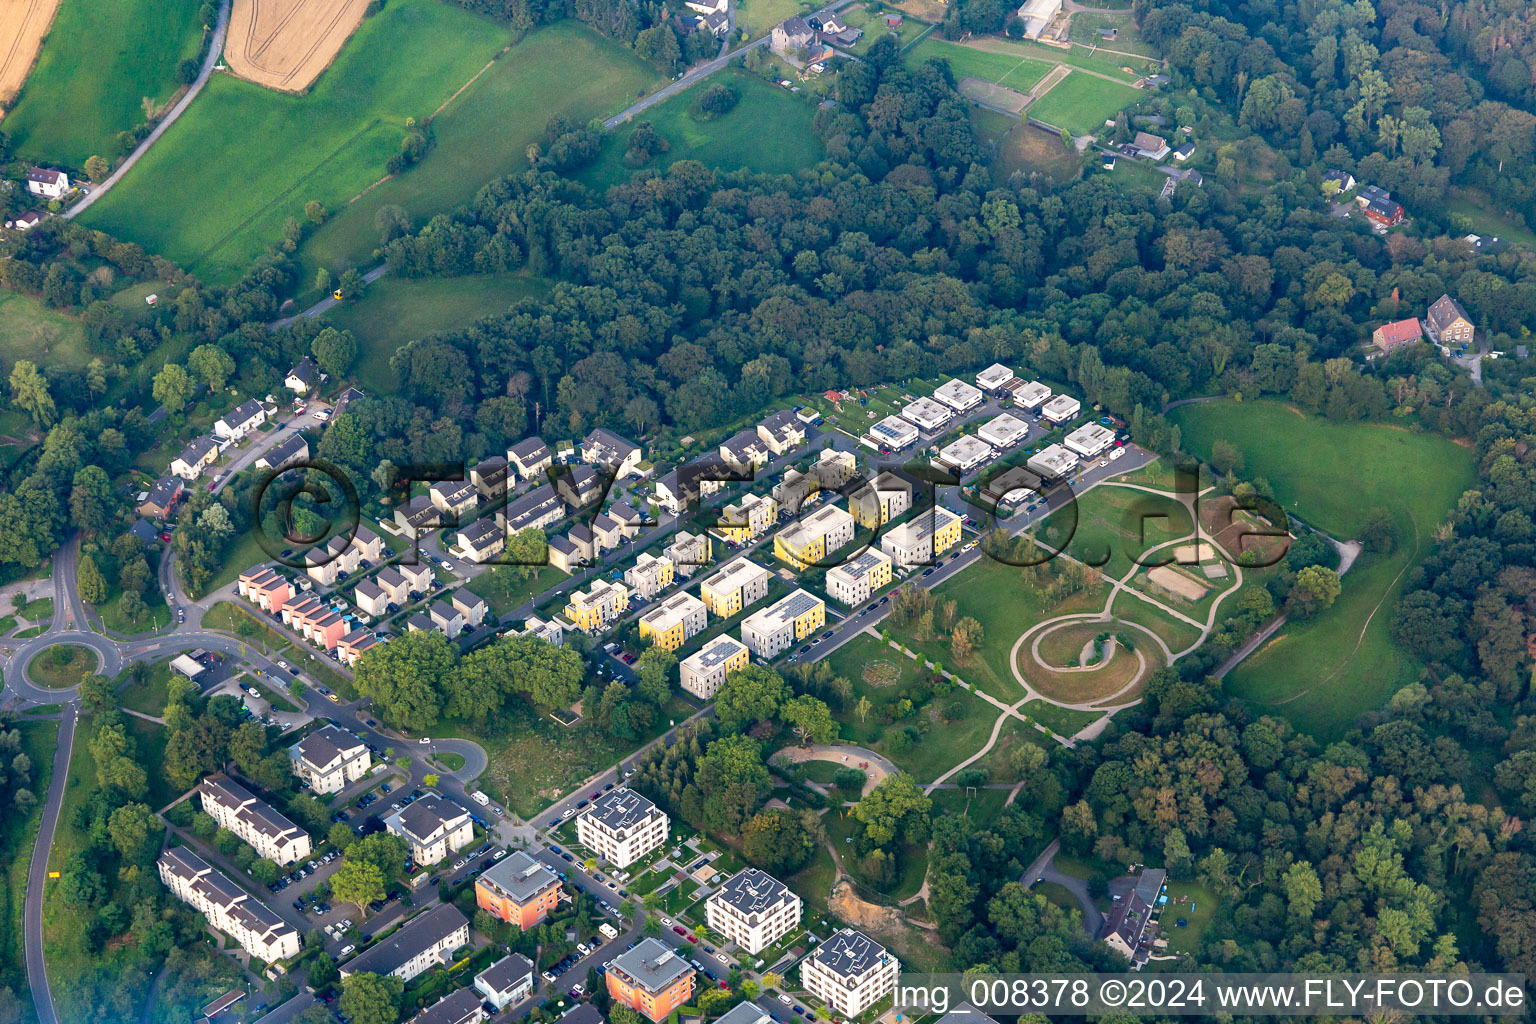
1013	70
285	44
731	141
1322	672
1081	103
98	64
395	311
283	150
483	134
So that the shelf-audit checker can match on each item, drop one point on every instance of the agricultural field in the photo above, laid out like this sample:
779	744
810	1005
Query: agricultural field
98	70
731	141
1081	103
396	311
1321	672
287	150
286	44
1015	71
482	133
1109	64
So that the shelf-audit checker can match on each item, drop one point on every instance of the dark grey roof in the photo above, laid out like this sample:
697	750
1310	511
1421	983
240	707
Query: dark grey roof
752	891
651	965
1150	885
426	930
389	576
286	449
244	411
620	809
197	449
1444	311
849	954
481	533
323	746
227	793
583	1013
144	530
744	1013
507	973
530	449
965	1013
165	489
426	816
455	1008
306	370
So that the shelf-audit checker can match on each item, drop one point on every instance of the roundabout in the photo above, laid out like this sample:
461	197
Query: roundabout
61	666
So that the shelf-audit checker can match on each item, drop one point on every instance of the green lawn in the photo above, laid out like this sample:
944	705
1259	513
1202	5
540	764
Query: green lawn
814	882
982	807
285	150
1176	633
1014	71
483	134
503	591
1320	673
1023	147
30	330
1488	220
1195	905
396	311
1085	30
758	17
149	697
731	141
98	64
1082	103
1111	527
873	24
62	666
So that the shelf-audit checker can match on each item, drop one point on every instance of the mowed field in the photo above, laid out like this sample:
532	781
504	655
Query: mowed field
285	44
23	24
1081	103
1012	70
734	140
214	192
564	68
30	330
395	311
99	63
1322	672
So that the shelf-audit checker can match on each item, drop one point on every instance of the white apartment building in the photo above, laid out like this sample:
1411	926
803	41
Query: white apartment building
689	552
857	581
267	832
750	516
775	629
650	575
1061	409
622	826
329	758
738	584
965	453
994	377
1052	463
507	981
428	940
911	543
550	632
229	908
754	909
958	395
850	972
812	539
703	672
1090	440
893	433
674	621
432	827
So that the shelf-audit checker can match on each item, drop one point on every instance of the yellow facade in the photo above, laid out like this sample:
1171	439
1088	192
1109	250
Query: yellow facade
812	551
946	537
747	518
879	576
810	621
722	604
600	605
669	639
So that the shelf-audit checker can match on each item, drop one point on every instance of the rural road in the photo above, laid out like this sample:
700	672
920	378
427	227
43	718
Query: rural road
330	300
215	48
37	873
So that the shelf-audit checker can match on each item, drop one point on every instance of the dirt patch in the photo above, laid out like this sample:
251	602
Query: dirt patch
881	673
285	44
1177	583
23	26
1241	533
998	97
870	918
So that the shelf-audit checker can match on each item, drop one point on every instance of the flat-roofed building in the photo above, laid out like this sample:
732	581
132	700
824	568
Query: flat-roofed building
1012	487
1052	462
958	395
426	941
1031	395
622	826
1061	409
748	517
703	672
329	758
432	827
781	625
650	575
850	972
506	982
228	908
1090	440
753	909
674	621
858	580
739	583
892	433
993	377
923	538
550	632
1004	431
651	980
927	414
689	552
781	432
965	453
518	889
257	824
602	603
884	498
812	539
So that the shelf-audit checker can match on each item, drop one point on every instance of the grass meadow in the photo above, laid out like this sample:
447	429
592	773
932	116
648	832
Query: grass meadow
98	64
47	337
1321	672
1015	71
214	193
734	140
1082	103
483	134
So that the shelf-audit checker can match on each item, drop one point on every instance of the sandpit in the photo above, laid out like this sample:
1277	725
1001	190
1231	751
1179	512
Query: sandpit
1185	554
23	24
1176	583
285	44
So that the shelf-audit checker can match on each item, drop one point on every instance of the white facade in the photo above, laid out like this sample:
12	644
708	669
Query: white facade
432	827
958	395
993	377
1090	440
927	414
427	940
703	672
622	826
753	909
267	832
1061	409
1031	395
911	543
240	421
1053	462
850	972
649	575
689	552
856	582
775	629
507	981
329	758
1005	431
230	909
965	453
893	432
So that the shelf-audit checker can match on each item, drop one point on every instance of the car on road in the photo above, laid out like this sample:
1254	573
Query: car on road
680	929
425	740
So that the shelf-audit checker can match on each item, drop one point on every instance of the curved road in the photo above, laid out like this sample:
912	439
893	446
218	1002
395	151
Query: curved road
215	48
37	873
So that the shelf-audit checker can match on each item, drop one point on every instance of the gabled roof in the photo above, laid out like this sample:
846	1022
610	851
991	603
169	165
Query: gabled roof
1445	311
426	930
197	450
243	413
305	371
1401	331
